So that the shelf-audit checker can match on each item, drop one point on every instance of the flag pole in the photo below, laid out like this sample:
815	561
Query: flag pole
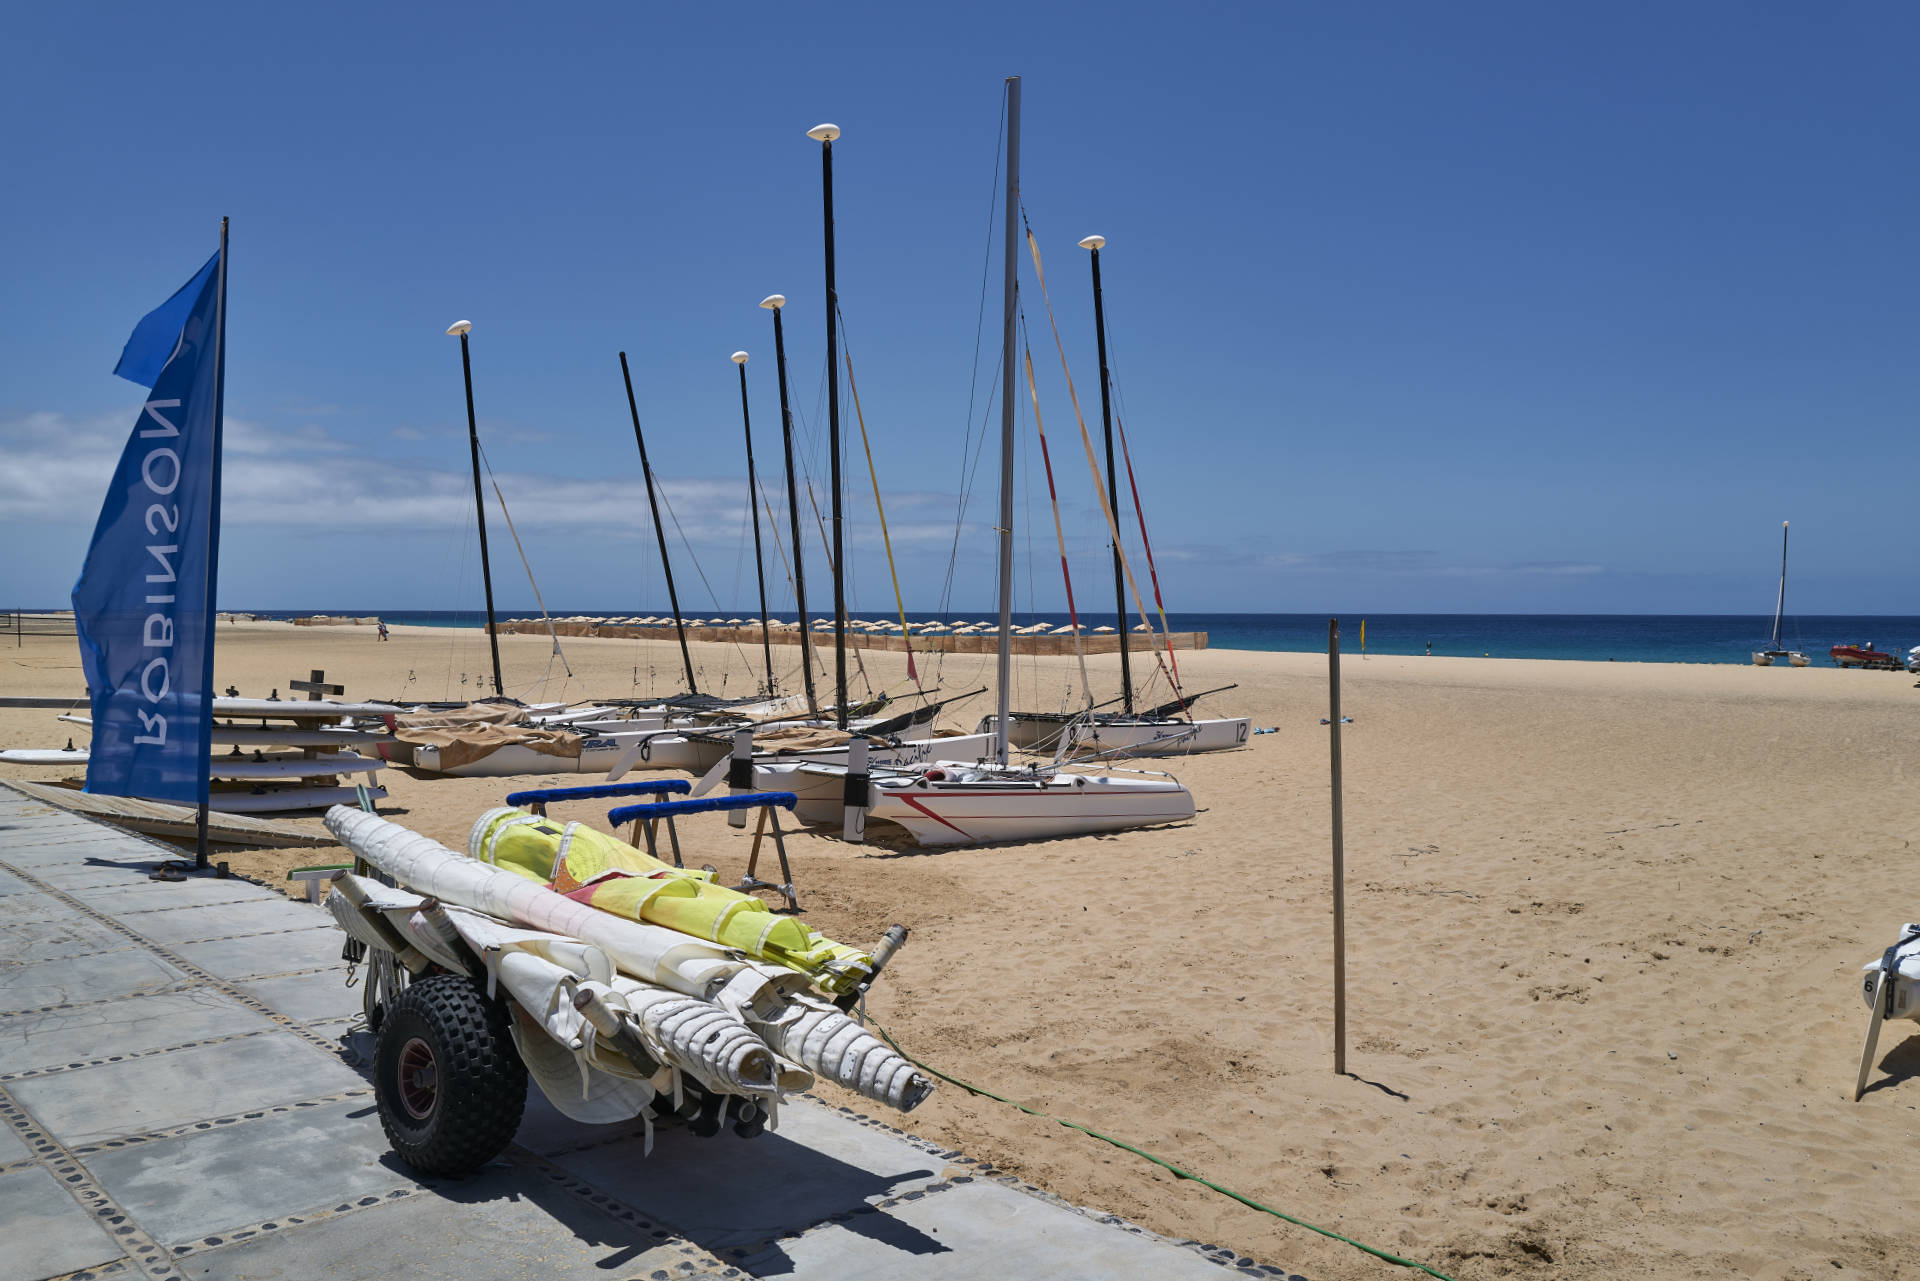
205	727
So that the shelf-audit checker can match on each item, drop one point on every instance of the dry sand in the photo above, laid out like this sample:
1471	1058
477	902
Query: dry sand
1605	922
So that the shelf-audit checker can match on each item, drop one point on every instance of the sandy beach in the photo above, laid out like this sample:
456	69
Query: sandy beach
1604	923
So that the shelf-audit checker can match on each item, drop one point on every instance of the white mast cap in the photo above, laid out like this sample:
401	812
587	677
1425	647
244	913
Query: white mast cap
824	133
459	327
1094	242
739	357
772	301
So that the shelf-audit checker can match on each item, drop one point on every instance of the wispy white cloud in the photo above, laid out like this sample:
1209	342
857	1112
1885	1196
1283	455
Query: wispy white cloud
305	477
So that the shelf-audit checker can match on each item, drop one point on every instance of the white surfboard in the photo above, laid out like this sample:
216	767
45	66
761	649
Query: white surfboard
247	767
290	709
289	798
43	756
272	736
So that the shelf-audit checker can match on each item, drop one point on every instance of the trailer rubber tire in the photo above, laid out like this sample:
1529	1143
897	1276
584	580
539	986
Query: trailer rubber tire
449	1083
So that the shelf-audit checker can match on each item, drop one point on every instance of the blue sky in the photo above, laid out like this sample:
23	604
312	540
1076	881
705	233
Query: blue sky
1478	307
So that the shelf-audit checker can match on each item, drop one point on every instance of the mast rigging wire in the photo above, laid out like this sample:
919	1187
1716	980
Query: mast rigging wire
886	538
552	635
1153	571
1086	439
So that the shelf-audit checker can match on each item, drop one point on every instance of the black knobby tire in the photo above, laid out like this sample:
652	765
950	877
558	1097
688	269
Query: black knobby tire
448	1080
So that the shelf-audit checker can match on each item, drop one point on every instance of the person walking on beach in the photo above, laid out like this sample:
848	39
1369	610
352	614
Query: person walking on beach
1429	649
383	630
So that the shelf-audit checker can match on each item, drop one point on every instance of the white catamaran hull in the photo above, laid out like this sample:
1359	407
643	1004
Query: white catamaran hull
597	756
962	805
1161	738
819	778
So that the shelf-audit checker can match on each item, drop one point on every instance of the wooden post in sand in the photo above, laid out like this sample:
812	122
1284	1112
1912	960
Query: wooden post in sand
1339	856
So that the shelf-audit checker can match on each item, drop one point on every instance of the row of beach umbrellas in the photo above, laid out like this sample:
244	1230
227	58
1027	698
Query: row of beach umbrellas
855	624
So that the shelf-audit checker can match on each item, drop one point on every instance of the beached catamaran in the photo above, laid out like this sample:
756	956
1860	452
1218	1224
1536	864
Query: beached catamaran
1774	651
954	801
1169	729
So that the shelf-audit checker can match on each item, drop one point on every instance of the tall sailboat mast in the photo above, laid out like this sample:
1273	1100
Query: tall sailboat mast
753	506
1010	299
1095	243
1780	605
824	135
461	328
659	530
773	303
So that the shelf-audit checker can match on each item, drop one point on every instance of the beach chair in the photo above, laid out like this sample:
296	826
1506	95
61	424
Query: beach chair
1891	987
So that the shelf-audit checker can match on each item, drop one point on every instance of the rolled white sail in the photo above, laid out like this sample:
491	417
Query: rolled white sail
840	1050
661	956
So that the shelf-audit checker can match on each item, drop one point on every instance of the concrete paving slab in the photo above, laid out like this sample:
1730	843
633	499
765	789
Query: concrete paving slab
10	884
504	1225
307	997
83	873
160	1091
264	954
47	1233
54	837
13	1148
47	937
138	894
132	1025
85	978
35	906
224	920
214	1181
973	1231
49	819
726	1191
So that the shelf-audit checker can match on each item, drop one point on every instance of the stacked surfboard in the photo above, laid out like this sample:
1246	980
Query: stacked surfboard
274	755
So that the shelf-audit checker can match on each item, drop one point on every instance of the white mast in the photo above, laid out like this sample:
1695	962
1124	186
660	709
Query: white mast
1010	292
1780	605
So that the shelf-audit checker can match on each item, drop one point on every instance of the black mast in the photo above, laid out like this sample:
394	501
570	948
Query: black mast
824	135
1113	486
753	505
773	303
461	327
659	530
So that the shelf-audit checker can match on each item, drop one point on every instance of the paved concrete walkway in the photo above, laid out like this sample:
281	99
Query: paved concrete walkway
182	1094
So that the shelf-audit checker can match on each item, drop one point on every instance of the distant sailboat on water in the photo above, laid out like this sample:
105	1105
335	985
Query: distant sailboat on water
1773	652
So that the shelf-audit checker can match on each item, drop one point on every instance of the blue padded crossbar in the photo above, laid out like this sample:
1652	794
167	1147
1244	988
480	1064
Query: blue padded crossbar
705	805
599	791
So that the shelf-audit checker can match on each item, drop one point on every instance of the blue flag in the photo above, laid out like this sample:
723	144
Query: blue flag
144	602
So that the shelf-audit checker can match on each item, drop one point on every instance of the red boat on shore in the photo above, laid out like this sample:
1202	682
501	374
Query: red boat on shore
1864	656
